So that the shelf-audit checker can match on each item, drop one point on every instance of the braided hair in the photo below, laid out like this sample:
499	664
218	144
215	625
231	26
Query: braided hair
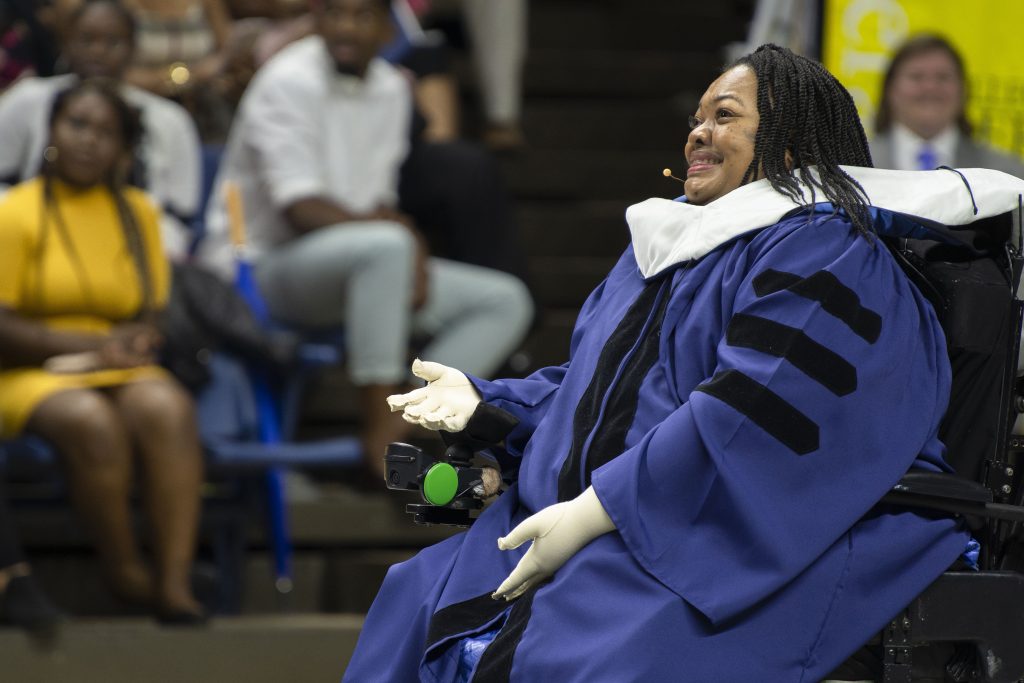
130	128
807	118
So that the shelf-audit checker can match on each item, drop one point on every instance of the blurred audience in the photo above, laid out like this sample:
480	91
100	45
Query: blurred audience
465	212
498	40
27	43
498	35
22	602
497	32
84	281
100	44
316	150
267	9
921	123
265	27
181	54
178	44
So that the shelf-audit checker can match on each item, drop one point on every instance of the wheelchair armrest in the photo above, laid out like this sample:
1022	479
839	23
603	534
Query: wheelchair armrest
950	493
943	485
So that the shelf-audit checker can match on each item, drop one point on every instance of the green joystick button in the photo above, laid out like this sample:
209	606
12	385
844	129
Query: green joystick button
440	484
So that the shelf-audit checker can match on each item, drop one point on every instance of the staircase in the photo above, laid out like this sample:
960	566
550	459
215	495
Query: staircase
609	85
297	649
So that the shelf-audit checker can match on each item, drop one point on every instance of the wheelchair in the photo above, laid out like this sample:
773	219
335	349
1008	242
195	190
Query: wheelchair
968	626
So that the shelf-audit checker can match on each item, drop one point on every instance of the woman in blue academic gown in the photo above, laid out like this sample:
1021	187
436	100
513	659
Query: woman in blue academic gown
700	481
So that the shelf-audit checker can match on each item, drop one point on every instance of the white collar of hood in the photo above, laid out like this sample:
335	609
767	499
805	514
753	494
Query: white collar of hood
667	232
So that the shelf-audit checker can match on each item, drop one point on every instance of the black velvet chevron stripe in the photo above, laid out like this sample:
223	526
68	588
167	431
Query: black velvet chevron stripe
835	298
824	366
463	617
766	409
771	281
589	408
610	438
496	663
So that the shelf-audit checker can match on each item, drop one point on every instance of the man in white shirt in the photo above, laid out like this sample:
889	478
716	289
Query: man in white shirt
99	44
921	123
315	152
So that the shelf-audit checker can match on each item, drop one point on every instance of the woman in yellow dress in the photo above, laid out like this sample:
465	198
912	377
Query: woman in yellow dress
82	279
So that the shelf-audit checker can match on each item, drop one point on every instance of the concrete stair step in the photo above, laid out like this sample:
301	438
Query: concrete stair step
565	282
652	72
296	648
561	229
631	25
627	176
600	124
549	344
325	580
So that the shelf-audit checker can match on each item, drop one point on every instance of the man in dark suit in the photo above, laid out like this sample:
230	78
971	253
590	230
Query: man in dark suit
920	122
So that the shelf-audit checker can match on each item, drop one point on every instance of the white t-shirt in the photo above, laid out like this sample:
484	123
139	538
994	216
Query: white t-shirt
305	130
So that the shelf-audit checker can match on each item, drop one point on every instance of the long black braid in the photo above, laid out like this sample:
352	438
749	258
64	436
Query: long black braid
806	112
131	133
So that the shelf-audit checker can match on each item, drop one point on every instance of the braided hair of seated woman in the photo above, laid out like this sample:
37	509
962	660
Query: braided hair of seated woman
807	119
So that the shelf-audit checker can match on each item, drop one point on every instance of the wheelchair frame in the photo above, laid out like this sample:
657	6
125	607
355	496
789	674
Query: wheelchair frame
982	611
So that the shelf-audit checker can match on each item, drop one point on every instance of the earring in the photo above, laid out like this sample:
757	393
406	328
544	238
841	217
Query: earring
51	153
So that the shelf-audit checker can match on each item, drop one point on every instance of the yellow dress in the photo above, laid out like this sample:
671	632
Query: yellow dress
40	278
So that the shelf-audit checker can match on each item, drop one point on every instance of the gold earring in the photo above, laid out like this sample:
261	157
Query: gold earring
51	154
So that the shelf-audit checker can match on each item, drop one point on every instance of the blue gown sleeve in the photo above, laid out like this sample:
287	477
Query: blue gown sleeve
529	398
829	381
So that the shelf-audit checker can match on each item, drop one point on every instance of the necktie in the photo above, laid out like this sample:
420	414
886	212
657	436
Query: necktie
927	160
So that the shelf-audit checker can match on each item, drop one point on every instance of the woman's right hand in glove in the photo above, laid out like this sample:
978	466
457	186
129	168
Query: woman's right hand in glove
446	403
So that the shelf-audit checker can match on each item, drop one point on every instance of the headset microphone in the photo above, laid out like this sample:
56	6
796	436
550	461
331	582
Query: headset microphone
668	174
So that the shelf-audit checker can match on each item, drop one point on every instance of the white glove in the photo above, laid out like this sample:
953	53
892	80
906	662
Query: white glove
558	532
447	402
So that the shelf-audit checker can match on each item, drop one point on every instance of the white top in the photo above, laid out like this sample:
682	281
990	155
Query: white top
907	145
305	130
170	144
666	232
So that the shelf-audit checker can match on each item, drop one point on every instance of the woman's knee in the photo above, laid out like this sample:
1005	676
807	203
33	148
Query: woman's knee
84	426
157	407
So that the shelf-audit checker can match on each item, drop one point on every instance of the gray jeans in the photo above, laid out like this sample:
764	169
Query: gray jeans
360	275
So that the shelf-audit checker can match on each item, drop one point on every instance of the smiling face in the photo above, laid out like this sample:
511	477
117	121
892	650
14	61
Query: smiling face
720	146
353	30
926	93
87	135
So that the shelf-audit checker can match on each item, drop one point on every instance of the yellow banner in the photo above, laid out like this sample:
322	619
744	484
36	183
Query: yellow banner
858	37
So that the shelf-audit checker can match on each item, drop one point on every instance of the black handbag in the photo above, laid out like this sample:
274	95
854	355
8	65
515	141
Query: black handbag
205	315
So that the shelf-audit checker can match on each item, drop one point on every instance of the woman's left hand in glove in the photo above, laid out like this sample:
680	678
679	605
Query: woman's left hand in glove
558	532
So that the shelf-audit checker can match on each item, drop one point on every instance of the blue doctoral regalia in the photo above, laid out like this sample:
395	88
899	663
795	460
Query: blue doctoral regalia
740	409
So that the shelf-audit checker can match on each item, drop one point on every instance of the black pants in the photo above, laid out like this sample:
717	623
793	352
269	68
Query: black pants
455	193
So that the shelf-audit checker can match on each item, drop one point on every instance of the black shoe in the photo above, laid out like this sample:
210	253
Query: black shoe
207	586
25	605
182	618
